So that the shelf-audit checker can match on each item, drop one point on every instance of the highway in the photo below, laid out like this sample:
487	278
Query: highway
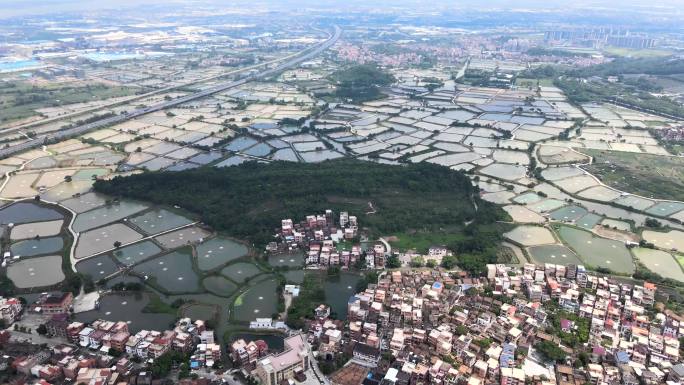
79	130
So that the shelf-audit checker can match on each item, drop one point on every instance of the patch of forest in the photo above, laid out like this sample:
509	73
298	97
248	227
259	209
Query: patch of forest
249	200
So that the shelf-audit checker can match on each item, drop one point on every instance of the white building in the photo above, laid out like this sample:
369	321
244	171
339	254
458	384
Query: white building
292	290
261	323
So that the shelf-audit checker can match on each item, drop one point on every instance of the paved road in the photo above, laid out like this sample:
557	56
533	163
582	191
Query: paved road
79	130
27	126
226	378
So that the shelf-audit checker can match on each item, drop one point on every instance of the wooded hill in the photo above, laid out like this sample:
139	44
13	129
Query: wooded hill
248	201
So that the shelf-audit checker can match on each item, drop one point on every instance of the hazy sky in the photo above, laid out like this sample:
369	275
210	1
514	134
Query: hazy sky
10	8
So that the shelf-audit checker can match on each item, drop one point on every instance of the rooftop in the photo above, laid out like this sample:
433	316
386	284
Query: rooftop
293	347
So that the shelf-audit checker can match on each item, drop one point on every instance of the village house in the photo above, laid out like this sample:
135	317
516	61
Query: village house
318	236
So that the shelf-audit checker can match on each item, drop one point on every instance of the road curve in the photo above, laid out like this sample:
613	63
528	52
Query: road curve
79	130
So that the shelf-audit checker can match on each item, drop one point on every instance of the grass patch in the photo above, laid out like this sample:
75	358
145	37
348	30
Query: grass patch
680	259
637	53
648	175
526	82
421	241
505	254
345	245
239	299
19	100
677	149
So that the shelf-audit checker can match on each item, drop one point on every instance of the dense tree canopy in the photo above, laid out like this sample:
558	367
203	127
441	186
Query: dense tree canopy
550	351
249	200
625	66
360	82
311	295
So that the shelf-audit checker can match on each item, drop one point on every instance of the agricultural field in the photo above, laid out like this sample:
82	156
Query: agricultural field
652	176
20	100
636	53
421	241
543	82
182	245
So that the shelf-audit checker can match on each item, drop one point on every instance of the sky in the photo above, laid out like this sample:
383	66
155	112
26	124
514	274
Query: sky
10	8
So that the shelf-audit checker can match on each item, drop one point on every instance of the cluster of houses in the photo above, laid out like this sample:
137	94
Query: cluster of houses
273	368
53	305
105	352
324	254
61	364
431	327
318	235
186	337
410	327
672	134
317	227
246	354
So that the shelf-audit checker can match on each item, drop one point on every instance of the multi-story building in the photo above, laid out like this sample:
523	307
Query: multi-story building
58	325
10	308
55	304
246	354
512	376
275	368
96	376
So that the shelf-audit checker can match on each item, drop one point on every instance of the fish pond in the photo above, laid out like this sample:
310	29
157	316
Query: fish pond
259	301
598	252
217	252
338	290
219	285
136	252
26	212
36	272
172	272
557	254
240	271
38	246
130	309
158	220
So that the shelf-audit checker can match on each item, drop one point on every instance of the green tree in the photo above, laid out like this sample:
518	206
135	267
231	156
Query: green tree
417	261
183	371
247	200
41	329
550	351
449	262
361	82
392	262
